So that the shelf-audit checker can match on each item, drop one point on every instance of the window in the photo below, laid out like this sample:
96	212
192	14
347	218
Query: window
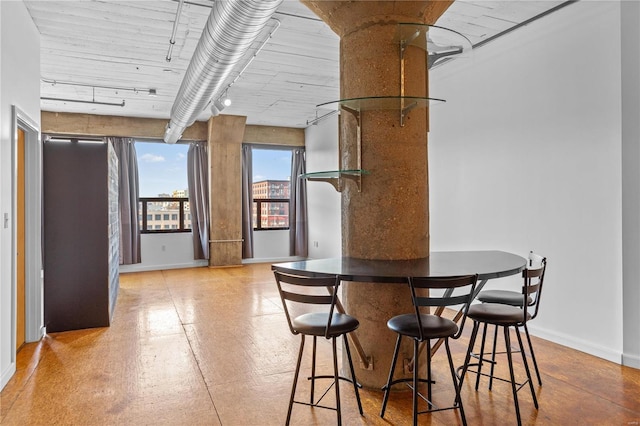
164	197
271	170
177	223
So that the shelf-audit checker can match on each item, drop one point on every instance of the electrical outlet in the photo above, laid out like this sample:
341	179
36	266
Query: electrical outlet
315	244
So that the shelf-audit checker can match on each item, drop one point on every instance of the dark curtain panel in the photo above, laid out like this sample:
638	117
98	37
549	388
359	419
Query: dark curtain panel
198	182
298	230
127	199
247	202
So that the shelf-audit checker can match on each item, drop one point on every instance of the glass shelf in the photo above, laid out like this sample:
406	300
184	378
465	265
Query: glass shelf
441	44
334	174
335	177
398	103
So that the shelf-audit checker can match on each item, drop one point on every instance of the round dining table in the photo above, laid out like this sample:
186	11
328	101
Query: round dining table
487	264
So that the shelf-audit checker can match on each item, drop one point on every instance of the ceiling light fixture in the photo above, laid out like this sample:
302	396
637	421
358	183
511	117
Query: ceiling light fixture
224	101
219	104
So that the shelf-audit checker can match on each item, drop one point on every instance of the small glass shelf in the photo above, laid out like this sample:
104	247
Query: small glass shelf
398	103
402	104
441	44
334	174
335	177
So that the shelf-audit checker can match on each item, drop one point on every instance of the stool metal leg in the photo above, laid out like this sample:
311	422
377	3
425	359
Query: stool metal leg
458	400
387	387
467	358
493	355
313	372
337	380
415	382
353	373
295	380
429	380
526	367
481	357
533	355
507	341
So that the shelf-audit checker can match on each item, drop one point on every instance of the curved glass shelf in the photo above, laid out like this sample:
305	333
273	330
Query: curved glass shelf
371	103
441	44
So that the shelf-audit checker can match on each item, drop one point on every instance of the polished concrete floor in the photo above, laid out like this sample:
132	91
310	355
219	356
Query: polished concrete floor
212	347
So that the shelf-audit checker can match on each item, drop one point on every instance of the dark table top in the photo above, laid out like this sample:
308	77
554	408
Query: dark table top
487	264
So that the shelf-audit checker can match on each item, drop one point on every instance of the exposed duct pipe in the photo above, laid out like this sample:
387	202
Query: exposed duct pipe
230	30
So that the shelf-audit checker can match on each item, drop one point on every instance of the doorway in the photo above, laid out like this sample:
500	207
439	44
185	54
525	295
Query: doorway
20	245
26	226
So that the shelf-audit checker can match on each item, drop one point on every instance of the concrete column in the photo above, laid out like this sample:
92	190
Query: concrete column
226	134
389	217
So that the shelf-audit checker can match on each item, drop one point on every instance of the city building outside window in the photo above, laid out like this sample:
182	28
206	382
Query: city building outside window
163	194
271	193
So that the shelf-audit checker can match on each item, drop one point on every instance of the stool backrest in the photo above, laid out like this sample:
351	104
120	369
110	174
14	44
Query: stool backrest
302	295
533	277
465	286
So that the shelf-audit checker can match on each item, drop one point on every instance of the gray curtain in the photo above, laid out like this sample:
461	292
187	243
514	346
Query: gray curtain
247	202
298	230
198	183
127	199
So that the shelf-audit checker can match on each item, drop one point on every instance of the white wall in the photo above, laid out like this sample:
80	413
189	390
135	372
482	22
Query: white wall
270	246
165	251
20	86
323	202
172	251
630	21
526	155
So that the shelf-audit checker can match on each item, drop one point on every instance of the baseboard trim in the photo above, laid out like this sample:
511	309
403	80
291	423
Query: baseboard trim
577	344
7	375
631	361
272	259
145	268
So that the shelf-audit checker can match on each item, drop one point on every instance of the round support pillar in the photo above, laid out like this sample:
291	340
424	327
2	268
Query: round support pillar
389	217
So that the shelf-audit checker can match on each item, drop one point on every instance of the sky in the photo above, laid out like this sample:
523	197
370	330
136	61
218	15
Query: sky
162	167
271	164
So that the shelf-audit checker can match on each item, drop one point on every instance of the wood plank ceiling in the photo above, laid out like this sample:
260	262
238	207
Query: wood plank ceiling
115	51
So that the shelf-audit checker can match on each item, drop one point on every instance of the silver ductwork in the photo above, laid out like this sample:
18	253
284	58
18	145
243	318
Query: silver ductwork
232	27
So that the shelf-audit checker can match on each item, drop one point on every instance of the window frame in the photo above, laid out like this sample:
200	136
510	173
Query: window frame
144	225
256	202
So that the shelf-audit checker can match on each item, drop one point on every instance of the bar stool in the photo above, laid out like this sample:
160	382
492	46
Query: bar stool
507	316
514	298
299	296
423	327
